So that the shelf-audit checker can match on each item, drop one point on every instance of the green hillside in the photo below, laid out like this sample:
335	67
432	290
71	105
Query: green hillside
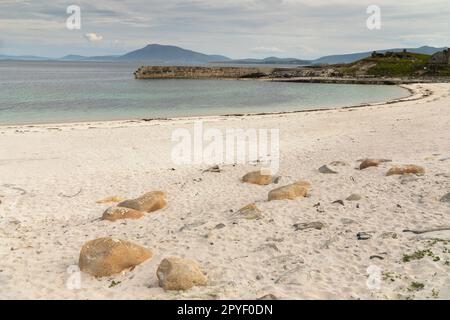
396	65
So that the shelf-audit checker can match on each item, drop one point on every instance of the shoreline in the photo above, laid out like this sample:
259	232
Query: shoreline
410	88
54	181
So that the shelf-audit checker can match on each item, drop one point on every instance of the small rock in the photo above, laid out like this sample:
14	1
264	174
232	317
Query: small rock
376	257
389	235
258	177
339	202
299	189
265	246
369	163
148	202
408	169
339	164
320	209
363	236
408	179
118	213
311	225
220	226
354	197
107	256
215	169
326	170
446	198
347	221
249	212
179	274
268	297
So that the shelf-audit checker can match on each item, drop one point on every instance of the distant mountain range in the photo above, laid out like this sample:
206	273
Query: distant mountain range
162	54
270	60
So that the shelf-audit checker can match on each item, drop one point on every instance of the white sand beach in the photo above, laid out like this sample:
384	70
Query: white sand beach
52	176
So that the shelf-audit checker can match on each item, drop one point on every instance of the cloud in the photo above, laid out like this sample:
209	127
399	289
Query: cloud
267	50
93	37
236	28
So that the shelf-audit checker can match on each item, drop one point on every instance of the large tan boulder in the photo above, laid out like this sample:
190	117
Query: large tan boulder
120	213
293	191
148	202
408	169
180	274
107	256
258	177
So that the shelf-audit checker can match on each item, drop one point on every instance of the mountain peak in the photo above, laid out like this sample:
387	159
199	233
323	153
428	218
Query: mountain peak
158	53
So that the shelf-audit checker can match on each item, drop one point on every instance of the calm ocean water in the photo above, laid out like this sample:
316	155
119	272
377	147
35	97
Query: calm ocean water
46	92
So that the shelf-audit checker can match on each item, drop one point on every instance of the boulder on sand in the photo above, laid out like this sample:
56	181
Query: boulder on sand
179	274
367	163
258	177
408	169
148	202
249	212
293	191
107	256
120	213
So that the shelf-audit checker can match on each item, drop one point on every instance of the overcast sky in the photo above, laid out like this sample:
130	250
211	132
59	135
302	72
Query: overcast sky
236	28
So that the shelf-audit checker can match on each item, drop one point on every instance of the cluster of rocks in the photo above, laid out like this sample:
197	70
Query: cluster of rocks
109	256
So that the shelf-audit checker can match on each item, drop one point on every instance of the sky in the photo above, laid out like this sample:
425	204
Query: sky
235	28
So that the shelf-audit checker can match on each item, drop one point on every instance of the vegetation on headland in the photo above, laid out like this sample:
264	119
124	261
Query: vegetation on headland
396	65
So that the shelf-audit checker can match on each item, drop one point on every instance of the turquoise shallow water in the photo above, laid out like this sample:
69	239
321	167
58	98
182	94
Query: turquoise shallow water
46	92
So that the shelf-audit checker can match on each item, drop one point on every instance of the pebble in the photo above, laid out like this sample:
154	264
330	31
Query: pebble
363	236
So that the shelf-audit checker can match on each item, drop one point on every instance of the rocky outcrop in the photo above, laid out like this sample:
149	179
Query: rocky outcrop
188	72
108	256
179	274
440	58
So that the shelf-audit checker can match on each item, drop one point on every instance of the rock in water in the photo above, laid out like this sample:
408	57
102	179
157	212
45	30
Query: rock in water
258	177
311	225
148	202
299	189
180	274
249	212
326	170
119	213
408	169
107	256
446	198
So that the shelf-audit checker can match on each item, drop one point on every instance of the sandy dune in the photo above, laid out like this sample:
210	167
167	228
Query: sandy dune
51	177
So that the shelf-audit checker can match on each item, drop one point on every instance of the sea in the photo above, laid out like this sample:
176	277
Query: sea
37	92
